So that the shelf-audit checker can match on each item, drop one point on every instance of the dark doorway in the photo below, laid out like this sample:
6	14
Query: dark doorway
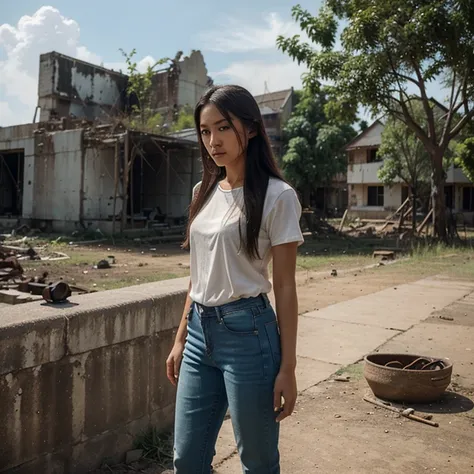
449	196
404	194
12	167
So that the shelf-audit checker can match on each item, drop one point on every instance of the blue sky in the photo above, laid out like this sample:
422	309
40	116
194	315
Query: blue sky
236	38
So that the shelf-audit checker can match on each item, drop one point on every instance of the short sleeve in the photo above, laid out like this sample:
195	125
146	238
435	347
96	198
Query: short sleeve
283	221
196	189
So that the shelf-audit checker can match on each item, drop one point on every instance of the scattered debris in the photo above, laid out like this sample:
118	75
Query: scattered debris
446	318
334	272
341	378
407	413
19	288
385	254
57	292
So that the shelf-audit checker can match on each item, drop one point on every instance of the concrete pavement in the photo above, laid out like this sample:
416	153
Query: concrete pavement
344	333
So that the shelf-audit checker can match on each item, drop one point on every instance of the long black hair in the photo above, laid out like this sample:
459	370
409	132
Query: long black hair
260	163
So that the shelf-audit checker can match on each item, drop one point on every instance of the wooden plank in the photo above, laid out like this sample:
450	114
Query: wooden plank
343	220
425	221
399	209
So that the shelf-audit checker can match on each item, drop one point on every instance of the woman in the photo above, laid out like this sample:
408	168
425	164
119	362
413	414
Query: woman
230	350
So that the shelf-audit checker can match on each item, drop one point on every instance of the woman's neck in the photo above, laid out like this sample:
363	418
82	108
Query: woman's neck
235	175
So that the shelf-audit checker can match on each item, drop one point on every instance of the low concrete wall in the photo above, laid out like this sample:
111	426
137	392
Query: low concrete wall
79	381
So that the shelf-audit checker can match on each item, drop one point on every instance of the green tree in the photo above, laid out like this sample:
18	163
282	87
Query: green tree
390	51
139	88
465	157
404	159
183	120
314	144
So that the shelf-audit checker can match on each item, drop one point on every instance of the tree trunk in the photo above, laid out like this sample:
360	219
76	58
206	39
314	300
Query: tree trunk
437	195
413	207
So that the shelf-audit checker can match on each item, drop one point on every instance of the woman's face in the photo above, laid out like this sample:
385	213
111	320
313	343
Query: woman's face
219	138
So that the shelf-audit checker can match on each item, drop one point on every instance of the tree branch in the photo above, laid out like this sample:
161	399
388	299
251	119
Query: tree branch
449	118
426	103
460	125
411	123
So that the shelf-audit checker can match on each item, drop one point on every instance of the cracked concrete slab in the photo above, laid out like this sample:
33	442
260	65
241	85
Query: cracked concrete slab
390	309
310	372
338	342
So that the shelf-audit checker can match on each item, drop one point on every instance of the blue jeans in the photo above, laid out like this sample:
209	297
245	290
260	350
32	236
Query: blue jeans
231	358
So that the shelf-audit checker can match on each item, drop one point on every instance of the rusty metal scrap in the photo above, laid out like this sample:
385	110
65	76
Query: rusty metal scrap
422	363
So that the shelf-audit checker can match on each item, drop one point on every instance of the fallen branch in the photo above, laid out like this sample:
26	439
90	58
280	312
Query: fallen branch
407	413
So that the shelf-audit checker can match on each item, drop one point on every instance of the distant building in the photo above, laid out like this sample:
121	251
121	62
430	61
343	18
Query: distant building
370	198
276	108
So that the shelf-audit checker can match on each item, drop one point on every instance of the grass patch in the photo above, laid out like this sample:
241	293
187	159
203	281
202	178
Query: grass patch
354	371
156	446
452	261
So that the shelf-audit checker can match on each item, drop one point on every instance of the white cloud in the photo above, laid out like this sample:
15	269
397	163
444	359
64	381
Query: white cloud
276	70
6	114
122	65
253	75
46	30
234	36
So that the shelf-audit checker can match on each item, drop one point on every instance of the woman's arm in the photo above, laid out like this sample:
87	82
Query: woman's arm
284	287
173	362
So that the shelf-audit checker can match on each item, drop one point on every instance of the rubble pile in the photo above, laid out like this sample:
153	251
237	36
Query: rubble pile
12	274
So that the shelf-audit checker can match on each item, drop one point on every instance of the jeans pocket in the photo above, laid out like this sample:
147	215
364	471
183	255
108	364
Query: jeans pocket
240	322
273	335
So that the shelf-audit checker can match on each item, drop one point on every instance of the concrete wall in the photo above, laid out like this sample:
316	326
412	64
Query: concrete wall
364	173
193	79
79	381
58	176
99	184
69	86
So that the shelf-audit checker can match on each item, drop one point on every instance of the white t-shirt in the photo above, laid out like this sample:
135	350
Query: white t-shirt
221	271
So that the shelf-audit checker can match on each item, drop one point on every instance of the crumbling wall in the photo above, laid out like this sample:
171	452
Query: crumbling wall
79	382
193	79
68	87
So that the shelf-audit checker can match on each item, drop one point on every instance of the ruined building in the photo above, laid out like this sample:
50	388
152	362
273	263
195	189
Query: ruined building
77	166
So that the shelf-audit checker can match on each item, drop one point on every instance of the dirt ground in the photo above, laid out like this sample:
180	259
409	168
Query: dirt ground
137	263
333	430
348	434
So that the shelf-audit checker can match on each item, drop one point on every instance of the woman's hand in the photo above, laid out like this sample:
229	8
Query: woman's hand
173	363
285	386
